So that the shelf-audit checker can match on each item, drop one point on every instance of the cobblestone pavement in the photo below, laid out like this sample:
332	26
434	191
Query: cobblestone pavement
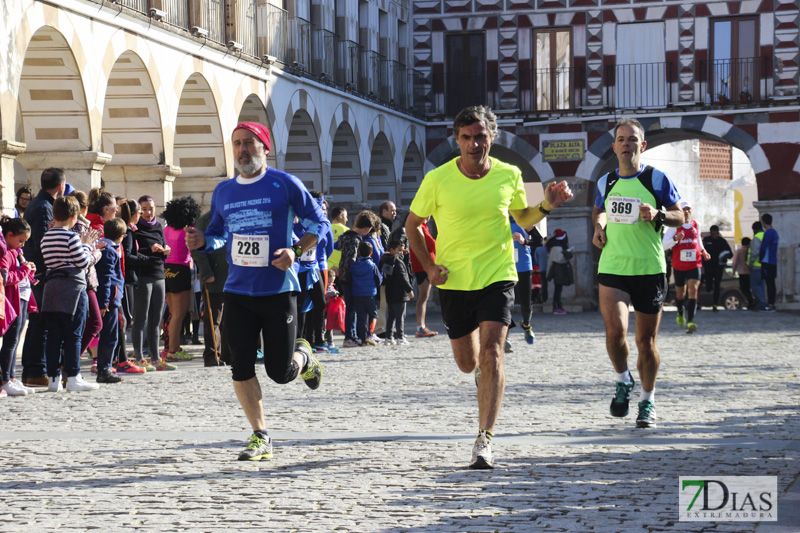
383	445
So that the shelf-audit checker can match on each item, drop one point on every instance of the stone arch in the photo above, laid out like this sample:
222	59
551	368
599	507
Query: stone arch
345	174
506	147
412	171
52	115
199	143
131	132
381	180
52	100
412	175
600	156
253	110
300	101
379	183
303	156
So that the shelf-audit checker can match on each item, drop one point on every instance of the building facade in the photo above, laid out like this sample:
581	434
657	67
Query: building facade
359	95
559	74
143	95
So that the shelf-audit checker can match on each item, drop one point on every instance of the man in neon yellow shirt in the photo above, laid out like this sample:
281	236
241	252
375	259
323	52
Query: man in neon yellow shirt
338	226
470	198
628	214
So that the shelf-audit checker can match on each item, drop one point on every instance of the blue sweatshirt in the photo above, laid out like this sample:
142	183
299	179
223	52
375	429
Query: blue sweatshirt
254	218
365	277
110	280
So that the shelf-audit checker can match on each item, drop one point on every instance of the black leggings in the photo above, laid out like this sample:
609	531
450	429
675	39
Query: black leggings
274	318
314	321
522	294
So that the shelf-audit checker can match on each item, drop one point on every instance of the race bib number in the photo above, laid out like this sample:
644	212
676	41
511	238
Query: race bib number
623	210
309	255
250	250
689	256
516	255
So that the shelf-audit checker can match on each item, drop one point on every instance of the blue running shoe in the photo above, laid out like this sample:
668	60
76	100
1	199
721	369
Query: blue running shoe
530	338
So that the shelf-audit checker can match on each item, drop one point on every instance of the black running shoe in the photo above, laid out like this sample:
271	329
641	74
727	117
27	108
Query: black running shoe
107	376
621	401
313	374
257	450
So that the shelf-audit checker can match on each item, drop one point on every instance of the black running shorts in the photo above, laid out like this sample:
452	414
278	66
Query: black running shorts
682	275
463	311
275	319
647	292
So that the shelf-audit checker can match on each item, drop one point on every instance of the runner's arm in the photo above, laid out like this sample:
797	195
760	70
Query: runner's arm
437	274
555	195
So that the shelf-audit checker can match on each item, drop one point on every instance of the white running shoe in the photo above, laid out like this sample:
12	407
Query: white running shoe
482	454
78	384
389	342
15	388
402	342
55	384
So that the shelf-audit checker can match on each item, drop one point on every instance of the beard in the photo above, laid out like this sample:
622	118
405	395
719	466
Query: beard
251	168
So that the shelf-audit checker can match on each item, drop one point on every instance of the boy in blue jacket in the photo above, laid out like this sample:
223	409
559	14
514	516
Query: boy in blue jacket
366	279
111	284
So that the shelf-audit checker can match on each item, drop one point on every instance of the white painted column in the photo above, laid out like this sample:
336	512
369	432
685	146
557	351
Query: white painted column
135	180
9	151
83	169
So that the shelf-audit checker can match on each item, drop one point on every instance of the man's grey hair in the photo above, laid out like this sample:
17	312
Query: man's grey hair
632	122
471	115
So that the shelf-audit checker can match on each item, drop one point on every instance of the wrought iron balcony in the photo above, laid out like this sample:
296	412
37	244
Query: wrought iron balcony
547	92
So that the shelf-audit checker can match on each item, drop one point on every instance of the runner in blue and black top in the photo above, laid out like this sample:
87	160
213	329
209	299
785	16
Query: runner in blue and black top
524	264
252	216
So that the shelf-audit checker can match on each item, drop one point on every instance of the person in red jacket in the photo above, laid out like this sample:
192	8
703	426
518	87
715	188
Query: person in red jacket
688	254
423	285
18	274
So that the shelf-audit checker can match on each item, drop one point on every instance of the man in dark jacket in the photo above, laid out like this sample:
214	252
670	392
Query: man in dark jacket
714	268
213	271
39	215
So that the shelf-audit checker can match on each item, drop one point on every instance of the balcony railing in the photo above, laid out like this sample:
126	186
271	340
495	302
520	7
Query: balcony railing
735	81
348	61
642	85
300	37
739	82
272	27
324	56
267	30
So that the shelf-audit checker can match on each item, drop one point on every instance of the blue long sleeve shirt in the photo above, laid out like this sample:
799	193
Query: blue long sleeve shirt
253	218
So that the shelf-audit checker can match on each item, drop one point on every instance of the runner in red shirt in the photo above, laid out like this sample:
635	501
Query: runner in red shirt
687	263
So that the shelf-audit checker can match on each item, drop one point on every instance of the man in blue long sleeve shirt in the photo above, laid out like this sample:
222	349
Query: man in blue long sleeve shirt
768	255
252	215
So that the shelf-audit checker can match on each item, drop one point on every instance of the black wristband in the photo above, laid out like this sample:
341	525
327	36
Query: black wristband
543	210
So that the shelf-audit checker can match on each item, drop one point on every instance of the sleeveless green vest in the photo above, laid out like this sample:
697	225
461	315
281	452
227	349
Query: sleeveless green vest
631	249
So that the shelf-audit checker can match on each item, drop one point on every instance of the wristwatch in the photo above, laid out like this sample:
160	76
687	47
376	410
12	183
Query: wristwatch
661	217
298	251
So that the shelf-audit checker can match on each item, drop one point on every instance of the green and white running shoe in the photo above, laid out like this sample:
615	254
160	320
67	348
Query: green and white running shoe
691	327
313	374
647	414
681	320
257	450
